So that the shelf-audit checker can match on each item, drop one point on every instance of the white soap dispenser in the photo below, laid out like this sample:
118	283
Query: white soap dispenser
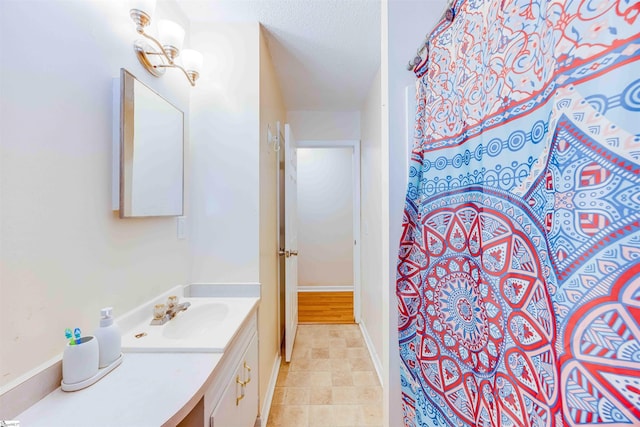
109	338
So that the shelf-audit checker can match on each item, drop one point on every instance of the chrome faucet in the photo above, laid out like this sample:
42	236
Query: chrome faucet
162	313
177	308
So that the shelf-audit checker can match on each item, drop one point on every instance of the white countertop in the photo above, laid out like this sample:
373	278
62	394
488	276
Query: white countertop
147	389
210	335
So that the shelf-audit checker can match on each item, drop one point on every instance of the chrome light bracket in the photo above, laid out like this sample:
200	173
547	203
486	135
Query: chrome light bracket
151	59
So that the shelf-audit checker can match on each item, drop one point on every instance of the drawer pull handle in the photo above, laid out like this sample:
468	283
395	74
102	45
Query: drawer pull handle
248	368
242	384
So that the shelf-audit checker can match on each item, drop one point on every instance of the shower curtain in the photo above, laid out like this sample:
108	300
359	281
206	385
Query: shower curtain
518	280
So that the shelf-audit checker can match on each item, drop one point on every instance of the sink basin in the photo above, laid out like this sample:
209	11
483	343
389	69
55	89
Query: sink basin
208	325
196	321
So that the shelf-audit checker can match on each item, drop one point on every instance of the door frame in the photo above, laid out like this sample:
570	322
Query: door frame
354	144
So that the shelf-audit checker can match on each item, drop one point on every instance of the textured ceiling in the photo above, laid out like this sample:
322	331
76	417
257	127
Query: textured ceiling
326	52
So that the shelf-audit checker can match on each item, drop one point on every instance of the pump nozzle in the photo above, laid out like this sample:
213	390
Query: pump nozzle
106	317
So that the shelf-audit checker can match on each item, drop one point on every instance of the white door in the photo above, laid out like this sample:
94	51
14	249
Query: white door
291	241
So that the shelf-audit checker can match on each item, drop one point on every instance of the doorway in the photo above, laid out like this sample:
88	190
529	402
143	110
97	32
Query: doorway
328	231
328	175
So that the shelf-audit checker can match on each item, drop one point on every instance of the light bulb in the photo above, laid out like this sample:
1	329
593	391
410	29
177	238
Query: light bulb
170	34
191	60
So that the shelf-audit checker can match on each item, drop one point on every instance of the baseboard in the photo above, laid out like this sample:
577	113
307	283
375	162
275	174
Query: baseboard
268	398
372	351
345	288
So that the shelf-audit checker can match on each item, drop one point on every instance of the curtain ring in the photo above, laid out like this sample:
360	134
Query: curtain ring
450	14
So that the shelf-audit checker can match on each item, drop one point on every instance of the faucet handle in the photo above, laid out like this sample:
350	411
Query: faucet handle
172	301
159	311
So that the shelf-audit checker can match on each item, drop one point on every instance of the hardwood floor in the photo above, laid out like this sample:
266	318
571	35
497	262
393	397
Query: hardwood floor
325	307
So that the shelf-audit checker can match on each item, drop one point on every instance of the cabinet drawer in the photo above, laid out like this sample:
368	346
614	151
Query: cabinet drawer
238	406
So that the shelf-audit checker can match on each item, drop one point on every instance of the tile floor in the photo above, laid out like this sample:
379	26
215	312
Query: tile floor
330	381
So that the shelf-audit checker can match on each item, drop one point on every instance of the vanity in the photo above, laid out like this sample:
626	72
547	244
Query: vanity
201	370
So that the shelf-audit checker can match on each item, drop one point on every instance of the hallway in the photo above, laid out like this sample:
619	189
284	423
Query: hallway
329	382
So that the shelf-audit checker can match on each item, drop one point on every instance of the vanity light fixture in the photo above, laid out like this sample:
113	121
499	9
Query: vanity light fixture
157	56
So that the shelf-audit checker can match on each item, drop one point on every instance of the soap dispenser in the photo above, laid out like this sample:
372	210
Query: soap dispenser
109	338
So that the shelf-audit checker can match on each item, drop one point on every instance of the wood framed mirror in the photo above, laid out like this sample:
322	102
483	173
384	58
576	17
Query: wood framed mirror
151	152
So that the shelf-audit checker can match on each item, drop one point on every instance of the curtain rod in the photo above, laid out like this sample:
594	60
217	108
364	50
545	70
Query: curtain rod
448	14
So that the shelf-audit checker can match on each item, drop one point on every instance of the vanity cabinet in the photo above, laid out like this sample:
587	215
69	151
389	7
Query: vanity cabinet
238	406
231	400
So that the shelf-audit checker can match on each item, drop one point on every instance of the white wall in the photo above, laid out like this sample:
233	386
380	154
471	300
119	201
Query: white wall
64	253
234	171
226	155
325	216
404	26
373	284
325	125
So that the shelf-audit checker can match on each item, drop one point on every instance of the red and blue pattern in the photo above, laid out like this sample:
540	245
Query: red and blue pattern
518	279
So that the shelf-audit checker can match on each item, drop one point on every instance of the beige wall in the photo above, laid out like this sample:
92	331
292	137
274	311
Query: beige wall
271	110
64	253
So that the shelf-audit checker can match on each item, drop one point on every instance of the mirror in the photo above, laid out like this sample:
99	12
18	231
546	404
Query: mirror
151	152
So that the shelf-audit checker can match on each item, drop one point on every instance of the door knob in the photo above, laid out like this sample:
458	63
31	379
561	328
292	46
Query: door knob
294	253
281	252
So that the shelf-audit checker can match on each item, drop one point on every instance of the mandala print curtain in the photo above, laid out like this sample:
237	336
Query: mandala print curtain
519	268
